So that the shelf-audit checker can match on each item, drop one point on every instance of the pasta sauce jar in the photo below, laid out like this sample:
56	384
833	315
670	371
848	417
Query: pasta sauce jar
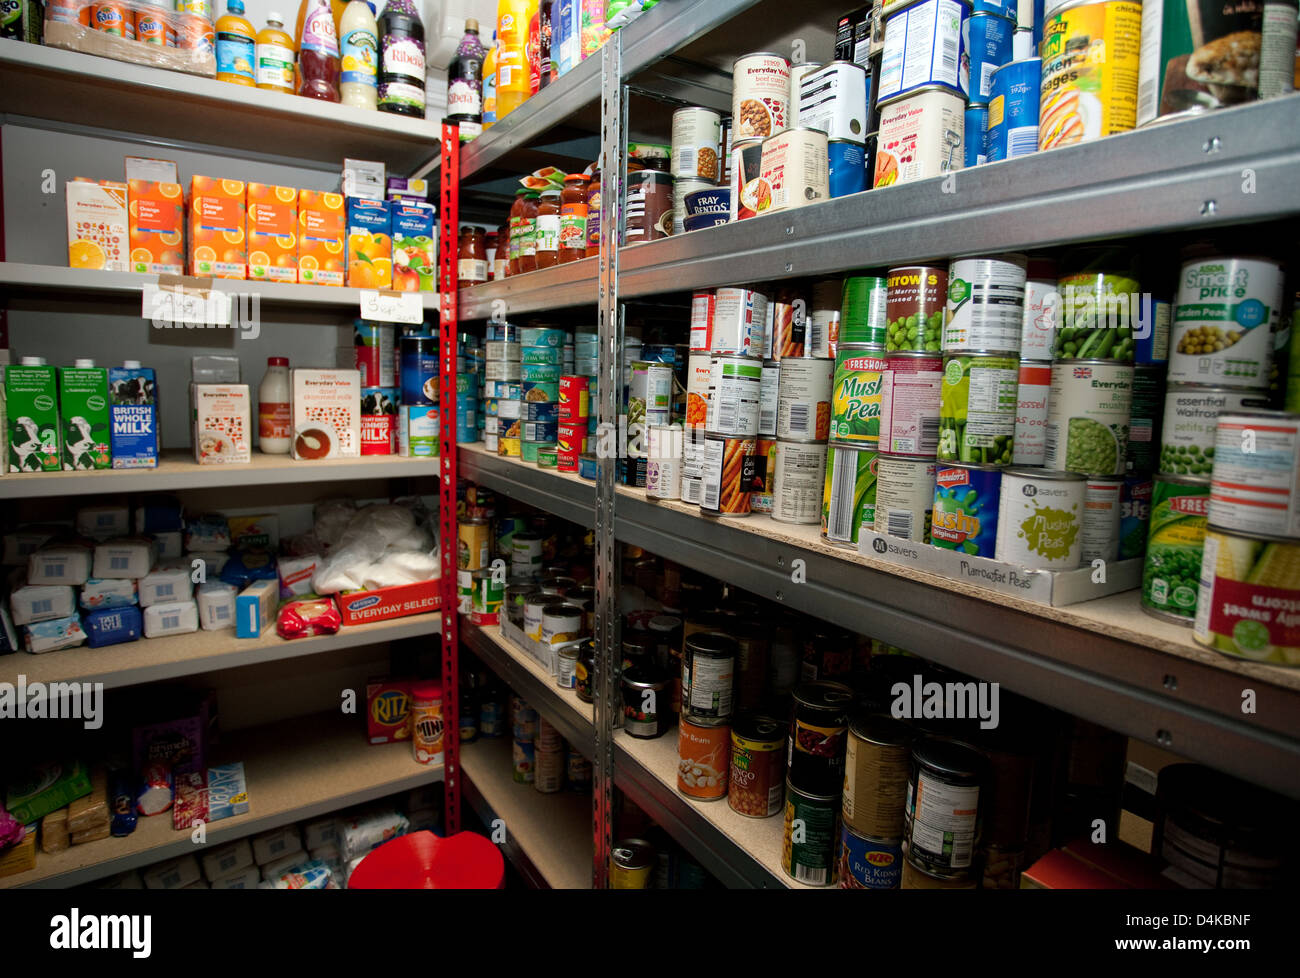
573	218
471	261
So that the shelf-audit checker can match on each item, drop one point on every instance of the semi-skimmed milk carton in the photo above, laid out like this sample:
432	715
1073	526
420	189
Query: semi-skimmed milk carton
32	407
133	416
83	411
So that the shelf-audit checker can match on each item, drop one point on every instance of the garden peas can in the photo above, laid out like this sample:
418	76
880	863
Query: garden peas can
1088	416
977	408
1040	517
1097	312
1175	540
914	306
1191	419
985	308
849	493
965	516
855	396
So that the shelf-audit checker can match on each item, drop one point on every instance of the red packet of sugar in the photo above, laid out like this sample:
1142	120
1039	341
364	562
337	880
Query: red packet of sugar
191	805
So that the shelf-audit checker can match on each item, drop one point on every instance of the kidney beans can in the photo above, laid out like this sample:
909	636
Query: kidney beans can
1226	312
795	170
646	706
797	482
989	45
814	859
746	166
727	476
846	164
965	516
1249	601
869	864
1101	519
914	308
703	752
757	769
925	45
849	492
974	133
735	388
877	754
1090	72
760	497
760	95
1042	310
738	318
833	98
985	308
904	497
1088	416
978	403
920	136
910	392
815	750
1255	485
943	807
1033	392
1175	542
803	411
855	396
863	311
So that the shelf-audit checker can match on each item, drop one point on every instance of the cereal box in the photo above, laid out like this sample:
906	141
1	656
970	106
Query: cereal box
320	238
156	219
370	244
83	409
326	413
414	264
97	225
133	417
32	406
221	414
272	233
218	244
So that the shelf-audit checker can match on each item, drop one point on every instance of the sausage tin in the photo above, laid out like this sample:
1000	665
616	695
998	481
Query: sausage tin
788	315
965	515
978	407
985	309
910	393
1090	72
1088	416
904	497
849	492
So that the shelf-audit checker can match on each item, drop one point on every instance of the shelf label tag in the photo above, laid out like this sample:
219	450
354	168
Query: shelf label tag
176	305
392	307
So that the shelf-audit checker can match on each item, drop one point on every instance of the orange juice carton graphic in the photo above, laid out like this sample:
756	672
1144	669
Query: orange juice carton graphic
156	215
272	233
97	225
218	244
321	228
370	244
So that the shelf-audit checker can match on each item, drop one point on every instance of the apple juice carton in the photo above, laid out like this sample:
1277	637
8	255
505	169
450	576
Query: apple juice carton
272	233
321	238
83	410
97	225
218	244
370	244
133	417
156	219
414	266
32	406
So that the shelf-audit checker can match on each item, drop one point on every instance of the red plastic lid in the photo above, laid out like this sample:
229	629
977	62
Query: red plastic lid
426	691
423	861
576	176
277	361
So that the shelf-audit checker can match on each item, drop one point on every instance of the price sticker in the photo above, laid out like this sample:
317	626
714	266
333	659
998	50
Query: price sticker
392	307
176	305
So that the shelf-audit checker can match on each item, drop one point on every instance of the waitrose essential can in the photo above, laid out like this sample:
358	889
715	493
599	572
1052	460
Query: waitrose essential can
795	169
1175	542
1225	314
965	514
1249	601
811	855
797	482
920	136
727	475
735	388
904	497
863	311
1013	110
989	45
760	95
738	321
855	396
869	864
877	755
1255	485
1088	416
916	298
985	307
1033	392
803	409
1191	418
925	45
1041	517
978	407
1042	310
1090	72
910	393
757	768
1103	507
849	492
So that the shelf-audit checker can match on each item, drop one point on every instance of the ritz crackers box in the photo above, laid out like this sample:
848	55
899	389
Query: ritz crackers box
370	244
272	233
218	243
156	218
321	226
388	706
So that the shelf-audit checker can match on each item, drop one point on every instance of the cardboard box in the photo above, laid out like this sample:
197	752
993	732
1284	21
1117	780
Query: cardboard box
362	607
97	225
415	267
218	241
326	413
156	222
22	857
181	739
321	238
227	791
222	415
370	244
32	406
388	708
255	608
83	411
363	178
46	788
133	417
272	233
150	170
194	58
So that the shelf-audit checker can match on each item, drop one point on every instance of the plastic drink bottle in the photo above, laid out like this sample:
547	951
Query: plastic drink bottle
401	65
236	40
318	51
490	84
465	84
513	84
276	53
359	47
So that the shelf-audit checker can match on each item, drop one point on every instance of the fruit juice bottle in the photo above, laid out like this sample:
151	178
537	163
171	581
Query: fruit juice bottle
513	86
272	233
276	53
318	51
156	221
320	238
370	244
401	66
236	41
218	243
465	84
490	83
359	46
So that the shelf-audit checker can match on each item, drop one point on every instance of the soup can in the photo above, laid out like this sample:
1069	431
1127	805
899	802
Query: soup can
747	190
849	492
703	754
646	701
943	807
985	309
797	482
904	497
1033	392
915	301
1175	545
925	46
795	170
811	856
760	95
1249	593
757	768
1013	110
1255	484
738	321
977	409
1088	416
1042	519
911	389
965	516
877	755
727	475
803	410
735	388
815	748
833	99
869	864
863	316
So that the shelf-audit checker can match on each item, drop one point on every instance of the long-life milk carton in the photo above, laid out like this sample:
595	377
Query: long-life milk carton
133	416
32	407
83	410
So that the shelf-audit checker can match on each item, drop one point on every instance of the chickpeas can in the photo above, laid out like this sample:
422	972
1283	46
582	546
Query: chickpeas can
1041	518
1175	544
916	297
849	492
966	501
943	807
978	407
1088	416
870	864
1090	72
910	394
799	471
703	754
1255	485
803	409
1101	518
757	770
904	497
855	396
1249	601
760	95
878	752
985	309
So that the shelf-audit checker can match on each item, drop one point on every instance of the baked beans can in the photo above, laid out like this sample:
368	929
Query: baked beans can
797	482
925	46
943	807
646	701
1249	601
788	315
747	190
849	492
1088	416
803	410
863	311
757	769
855	396
966	500
760	95
1175	546
474	543
727	475
696	137
877	755
1033	392
738	320
663	476
818	728
735	388
769	398
795	170
977	410
702	321
974	133
693	464
1226	312
910	392
1090	71
833	99
846	167
699	371
1255	484
761	497
985	309
708	672
811	856
631	862
575	399
1042	521
915	300
920	136
703	754
989	45
1013	110
869	864
904	497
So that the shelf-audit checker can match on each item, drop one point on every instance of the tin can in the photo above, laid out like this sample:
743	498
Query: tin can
1226	312
760	95
864	317
379	421
540	356
708	670
374	344
535	605
761	496
587	466
738	318
577	771
544	432
1033	393
814	858
920	136
539	392
703	752
789	316
650	395
645	701
877	755
904	497
856	396
869	864
910	392
502	350
685	188
1191	418
1090	72
664	465
748	192
824	320
508	371
548	770
699	371
464	592
1249	598
727	475
735	386
985	308
815	749
974	135
1042	519
989	45
797	74
1013	110
561	623
1255	484
489	594
846	165
543	336
965	516
978	403
696	137
513	603
1141	454
915	301
795	170
693	464
943	806
1042	310
769	399
803	410
584	673
631	862
473	544
524	755
1097	313
849	492
1175	543
833	99
566	675
1088	416
1134	516
492	443
757	767
419	373
1152	336
1101	519
702	322
799	474
571	441
925	46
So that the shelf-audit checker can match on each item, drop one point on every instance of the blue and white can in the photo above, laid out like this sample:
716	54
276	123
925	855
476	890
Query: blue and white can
1003	8
1151	345
974	134
466	409
501	332
542	336
1013	110
869	864
925	46
989	44
848	167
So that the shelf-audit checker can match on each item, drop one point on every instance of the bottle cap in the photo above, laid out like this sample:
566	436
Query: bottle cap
471	25
83	362
130	364
277	361
33	361
235	7
274	18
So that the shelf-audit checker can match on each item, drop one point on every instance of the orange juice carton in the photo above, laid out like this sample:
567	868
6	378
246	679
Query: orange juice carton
321	238
272	233
218	244
156	216
97	225
414	265
370	244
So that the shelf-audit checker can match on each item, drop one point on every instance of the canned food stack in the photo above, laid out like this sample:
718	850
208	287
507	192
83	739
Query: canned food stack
573	420
697	170
815	782
651	386
1002	113
416	405
704	728
502	389
542	353
876	765
470	364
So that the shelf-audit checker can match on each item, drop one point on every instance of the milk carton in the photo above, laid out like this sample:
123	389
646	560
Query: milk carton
133	416
32	406
83	409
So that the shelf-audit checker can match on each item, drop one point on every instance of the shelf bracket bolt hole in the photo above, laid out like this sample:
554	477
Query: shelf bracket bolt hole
1209	208
1171	683
1212	145
1164	738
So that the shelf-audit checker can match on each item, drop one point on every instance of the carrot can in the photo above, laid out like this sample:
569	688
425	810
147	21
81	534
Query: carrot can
729	475
703	754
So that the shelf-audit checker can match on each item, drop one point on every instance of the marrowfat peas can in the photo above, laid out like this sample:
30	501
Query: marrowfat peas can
1101	518
974	133
1041	519
833	98
1134	516
814	859
1090	72
1255	485
663	476
757	769
910	393
703	751
965	516
876	759
1249	601
803	409
855	396
696	138
1088	416
760	95
1175	542
925	46
846	166
849	492
1225	314
863	315
985	308
738	317
915	301
1191	419
943	807
1032	394
1042	310
904	497
797	482
735	388
796	169
920	136
727	475
1013	110
978	405
989	45
869	864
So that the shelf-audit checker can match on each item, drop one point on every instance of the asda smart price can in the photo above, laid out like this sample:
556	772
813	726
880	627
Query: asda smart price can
1225	313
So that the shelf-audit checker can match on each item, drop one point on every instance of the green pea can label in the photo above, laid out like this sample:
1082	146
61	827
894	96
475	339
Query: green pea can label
1191	417
863	311
849	493
1175	541
1098	313
977	409
855	396
915	300
965	516
1224	319
1088	415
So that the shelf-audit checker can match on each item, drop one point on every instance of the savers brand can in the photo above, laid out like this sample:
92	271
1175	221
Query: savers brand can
855	396
978	406
757	770
1191	419
1088	416
985	309
914	308
1175	541
797	482
803	407
965	516
1040	519
1249	601
1090	72
910	394
869	864
811	856
904	497
863	318
849	492
1255	486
